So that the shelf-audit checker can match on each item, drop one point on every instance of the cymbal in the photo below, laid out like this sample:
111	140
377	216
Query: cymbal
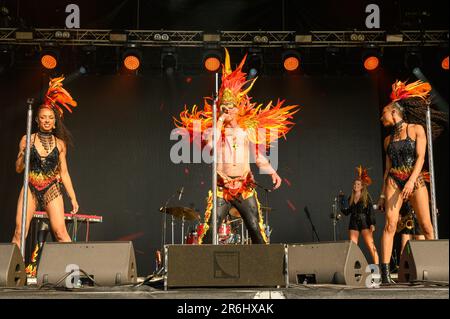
180	212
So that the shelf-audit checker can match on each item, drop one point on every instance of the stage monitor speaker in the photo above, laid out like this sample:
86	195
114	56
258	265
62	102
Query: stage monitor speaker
424	260
339	262
108	263
12	267
225	266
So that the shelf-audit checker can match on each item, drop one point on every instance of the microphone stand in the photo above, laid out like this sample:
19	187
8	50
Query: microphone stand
312	224
30	102
164	227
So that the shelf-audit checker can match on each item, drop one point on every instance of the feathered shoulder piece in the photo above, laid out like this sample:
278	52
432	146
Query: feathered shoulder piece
401	90
273	121
363	176
58	98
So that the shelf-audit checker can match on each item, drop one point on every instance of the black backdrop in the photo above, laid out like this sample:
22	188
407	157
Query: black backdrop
121	169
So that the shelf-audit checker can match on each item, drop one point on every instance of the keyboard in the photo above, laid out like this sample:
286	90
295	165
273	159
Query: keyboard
72	217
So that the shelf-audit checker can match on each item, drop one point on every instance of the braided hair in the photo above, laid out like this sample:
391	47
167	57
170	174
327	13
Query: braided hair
414	111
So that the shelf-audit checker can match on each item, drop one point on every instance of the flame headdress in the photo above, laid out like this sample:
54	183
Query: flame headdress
363	176
57	98
234	90
401	90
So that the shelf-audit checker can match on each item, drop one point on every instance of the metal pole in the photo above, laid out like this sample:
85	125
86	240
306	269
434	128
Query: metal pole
182	230
171	231
25	177
434	217
214	166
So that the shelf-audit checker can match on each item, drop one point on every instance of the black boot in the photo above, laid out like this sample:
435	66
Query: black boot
386	275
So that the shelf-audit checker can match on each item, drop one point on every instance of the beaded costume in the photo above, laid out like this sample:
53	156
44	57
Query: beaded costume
44	178
402	153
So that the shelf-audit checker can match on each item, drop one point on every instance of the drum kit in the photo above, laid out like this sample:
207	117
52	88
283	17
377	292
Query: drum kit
231	232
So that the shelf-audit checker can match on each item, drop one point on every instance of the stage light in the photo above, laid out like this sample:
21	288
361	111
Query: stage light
254	61
371	63
161	37
212	60
132	59
444	63
49	58
413	58
371	58
49	61
24	35
169	60
261	39
118	36
6	57
88	59
291	60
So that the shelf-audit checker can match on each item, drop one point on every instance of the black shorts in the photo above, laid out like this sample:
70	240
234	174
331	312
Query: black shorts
359	222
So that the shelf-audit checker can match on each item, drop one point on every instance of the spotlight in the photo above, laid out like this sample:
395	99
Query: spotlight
371	63
413	58
291	60
62	35
371	59
161	37
444	63
212	60
49	58
88	59
261	39
333	59
169	60
254	61
6	57
132	59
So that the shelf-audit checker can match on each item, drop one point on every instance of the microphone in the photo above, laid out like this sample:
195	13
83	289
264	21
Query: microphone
181	191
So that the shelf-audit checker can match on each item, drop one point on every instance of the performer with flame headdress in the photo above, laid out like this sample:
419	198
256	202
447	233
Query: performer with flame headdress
405	155
244	129
362	217
48	167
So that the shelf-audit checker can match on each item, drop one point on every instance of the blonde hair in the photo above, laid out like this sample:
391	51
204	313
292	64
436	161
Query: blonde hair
365	196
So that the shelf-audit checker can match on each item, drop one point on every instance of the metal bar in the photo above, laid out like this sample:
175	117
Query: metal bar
214	163
25	178
434	212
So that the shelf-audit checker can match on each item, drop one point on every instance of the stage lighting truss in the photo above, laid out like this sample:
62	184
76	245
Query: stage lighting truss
227	38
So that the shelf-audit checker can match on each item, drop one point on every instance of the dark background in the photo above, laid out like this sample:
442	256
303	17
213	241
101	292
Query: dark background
120	165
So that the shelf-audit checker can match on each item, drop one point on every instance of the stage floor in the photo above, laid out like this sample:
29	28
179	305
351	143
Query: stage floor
400	291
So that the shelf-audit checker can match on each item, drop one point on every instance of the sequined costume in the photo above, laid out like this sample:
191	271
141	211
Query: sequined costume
44	180
402	154
261	125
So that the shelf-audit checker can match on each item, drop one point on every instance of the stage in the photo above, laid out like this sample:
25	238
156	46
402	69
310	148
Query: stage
328	291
